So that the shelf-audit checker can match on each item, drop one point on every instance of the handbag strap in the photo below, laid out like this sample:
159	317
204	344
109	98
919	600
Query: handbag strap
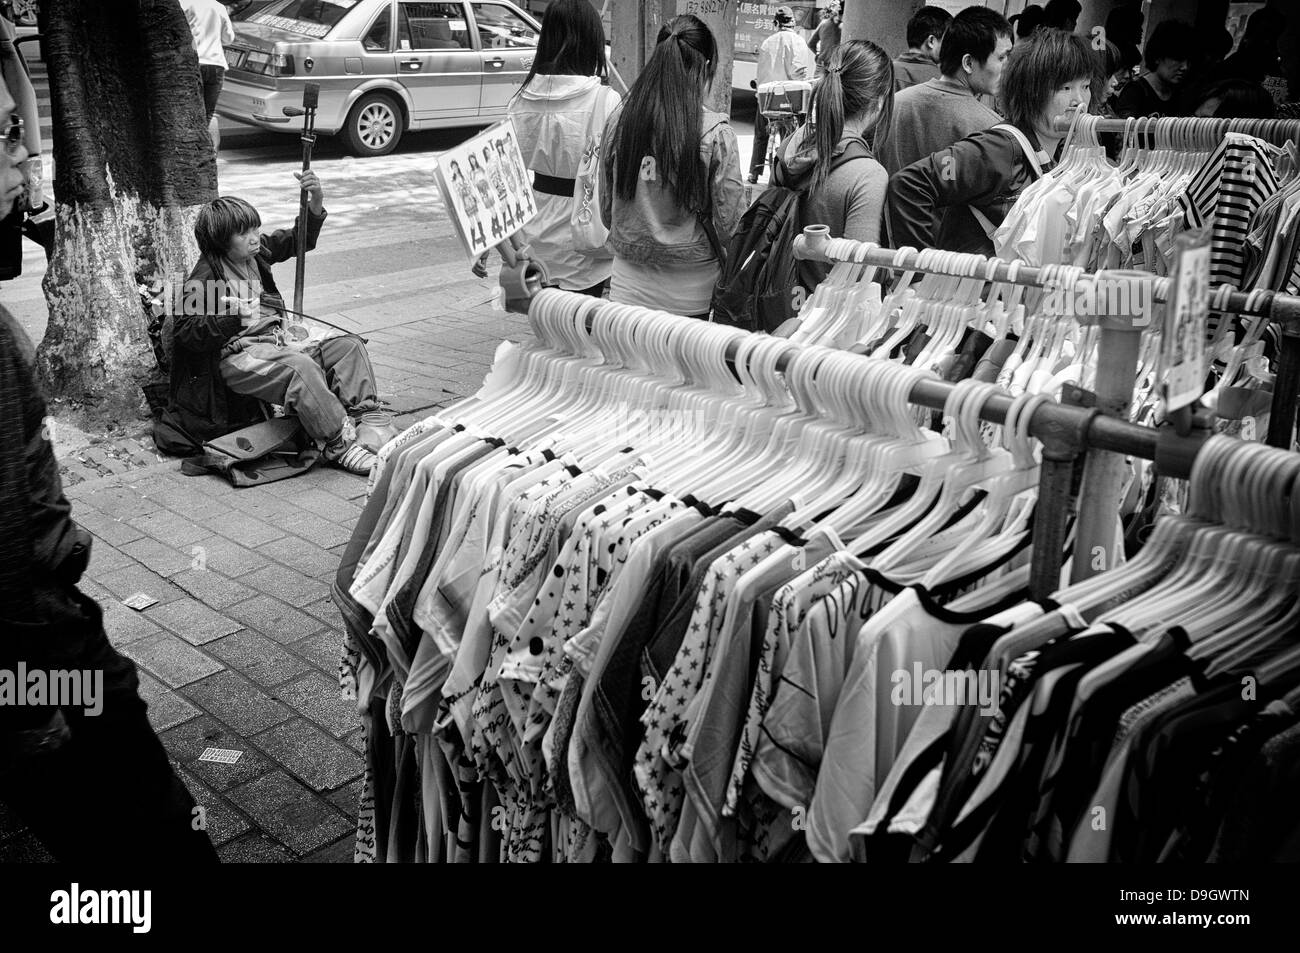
706	222
1021	138
984	221
705	217
596	127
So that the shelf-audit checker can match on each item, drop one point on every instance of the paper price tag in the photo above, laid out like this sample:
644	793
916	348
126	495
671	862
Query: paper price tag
221	755
139	602
1182	348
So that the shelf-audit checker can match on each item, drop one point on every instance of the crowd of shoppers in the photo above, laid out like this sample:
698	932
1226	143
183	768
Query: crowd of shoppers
947	134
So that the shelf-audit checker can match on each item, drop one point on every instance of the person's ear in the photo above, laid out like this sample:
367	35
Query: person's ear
968	63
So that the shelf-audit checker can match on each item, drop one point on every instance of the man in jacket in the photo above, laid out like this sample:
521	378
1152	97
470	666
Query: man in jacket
86	774
783	56
228	351
935	114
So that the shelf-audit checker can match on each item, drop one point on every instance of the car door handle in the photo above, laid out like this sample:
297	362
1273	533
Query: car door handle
412	64
497	63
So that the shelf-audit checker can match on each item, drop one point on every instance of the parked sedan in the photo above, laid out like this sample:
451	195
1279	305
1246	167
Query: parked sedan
384	66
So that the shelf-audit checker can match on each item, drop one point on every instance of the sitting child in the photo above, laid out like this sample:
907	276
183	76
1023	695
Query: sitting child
230	352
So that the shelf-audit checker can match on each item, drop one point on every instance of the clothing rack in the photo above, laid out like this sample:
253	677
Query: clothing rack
1068	431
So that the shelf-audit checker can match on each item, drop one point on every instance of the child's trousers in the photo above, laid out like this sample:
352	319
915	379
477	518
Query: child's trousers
319	384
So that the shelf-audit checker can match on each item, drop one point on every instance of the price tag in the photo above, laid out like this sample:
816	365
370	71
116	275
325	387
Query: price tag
221	755
139	602
1182	348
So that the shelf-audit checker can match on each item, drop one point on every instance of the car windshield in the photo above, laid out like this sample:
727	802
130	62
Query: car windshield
309	17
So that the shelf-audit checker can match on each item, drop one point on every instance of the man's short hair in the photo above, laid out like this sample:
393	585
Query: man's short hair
974	32
1061	14
1039	67
925	23
1170	40
783	16
221	220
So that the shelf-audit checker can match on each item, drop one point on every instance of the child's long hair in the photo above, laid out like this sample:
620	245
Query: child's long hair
572	42
858	76
662	115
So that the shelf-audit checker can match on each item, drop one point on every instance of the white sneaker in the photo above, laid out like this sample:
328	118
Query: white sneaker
356	459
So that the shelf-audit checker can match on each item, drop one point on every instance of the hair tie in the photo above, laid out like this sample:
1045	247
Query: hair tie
834	69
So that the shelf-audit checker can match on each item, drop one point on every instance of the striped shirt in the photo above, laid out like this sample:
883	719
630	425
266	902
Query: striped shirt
1224	194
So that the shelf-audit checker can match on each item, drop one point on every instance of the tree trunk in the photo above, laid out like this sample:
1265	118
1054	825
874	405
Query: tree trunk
635	27
133	163
884	22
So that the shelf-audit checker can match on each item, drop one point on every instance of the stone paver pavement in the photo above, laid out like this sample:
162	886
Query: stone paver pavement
241	649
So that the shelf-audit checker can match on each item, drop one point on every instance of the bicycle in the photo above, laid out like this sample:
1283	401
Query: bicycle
784	104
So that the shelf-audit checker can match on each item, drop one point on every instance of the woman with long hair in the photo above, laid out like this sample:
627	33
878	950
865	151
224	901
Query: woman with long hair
836	153
553	112
672	193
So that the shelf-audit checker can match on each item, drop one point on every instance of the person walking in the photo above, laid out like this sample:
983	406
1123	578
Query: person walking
836	155
924	37
826	38
553	113
782	56
87	775
211	28
935	114
672	192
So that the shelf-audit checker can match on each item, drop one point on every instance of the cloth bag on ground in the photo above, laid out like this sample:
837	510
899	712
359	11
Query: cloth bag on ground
272	450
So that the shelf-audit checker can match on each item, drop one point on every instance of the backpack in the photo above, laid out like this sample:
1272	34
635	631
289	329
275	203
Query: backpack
758	288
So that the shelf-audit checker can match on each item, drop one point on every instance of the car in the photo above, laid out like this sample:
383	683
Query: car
384	66
243	9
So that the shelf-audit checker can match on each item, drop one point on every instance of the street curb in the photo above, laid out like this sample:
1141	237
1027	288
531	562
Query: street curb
136	473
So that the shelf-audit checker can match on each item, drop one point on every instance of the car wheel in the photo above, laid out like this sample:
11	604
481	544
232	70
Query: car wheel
25	12
374	126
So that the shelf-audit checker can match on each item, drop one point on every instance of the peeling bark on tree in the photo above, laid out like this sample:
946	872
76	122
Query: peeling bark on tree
133	163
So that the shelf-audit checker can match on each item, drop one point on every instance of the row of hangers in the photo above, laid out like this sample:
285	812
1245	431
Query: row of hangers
830	430
956	291
1196	133
1235	558
960	290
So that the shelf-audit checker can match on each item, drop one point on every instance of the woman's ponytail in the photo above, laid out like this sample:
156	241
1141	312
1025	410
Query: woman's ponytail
663	113
859	77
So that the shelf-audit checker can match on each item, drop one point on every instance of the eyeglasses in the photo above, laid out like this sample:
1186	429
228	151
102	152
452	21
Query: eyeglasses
13	134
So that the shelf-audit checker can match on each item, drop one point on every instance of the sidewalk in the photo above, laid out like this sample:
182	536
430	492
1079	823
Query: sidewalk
241	649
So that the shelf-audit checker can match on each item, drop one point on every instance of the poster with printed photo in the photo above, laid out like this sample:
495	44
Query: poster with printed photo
487	188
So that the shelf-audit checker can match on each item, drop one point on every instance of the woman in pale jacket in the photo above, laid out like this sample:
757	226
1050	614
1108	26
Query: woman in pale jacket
672	194
553	114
